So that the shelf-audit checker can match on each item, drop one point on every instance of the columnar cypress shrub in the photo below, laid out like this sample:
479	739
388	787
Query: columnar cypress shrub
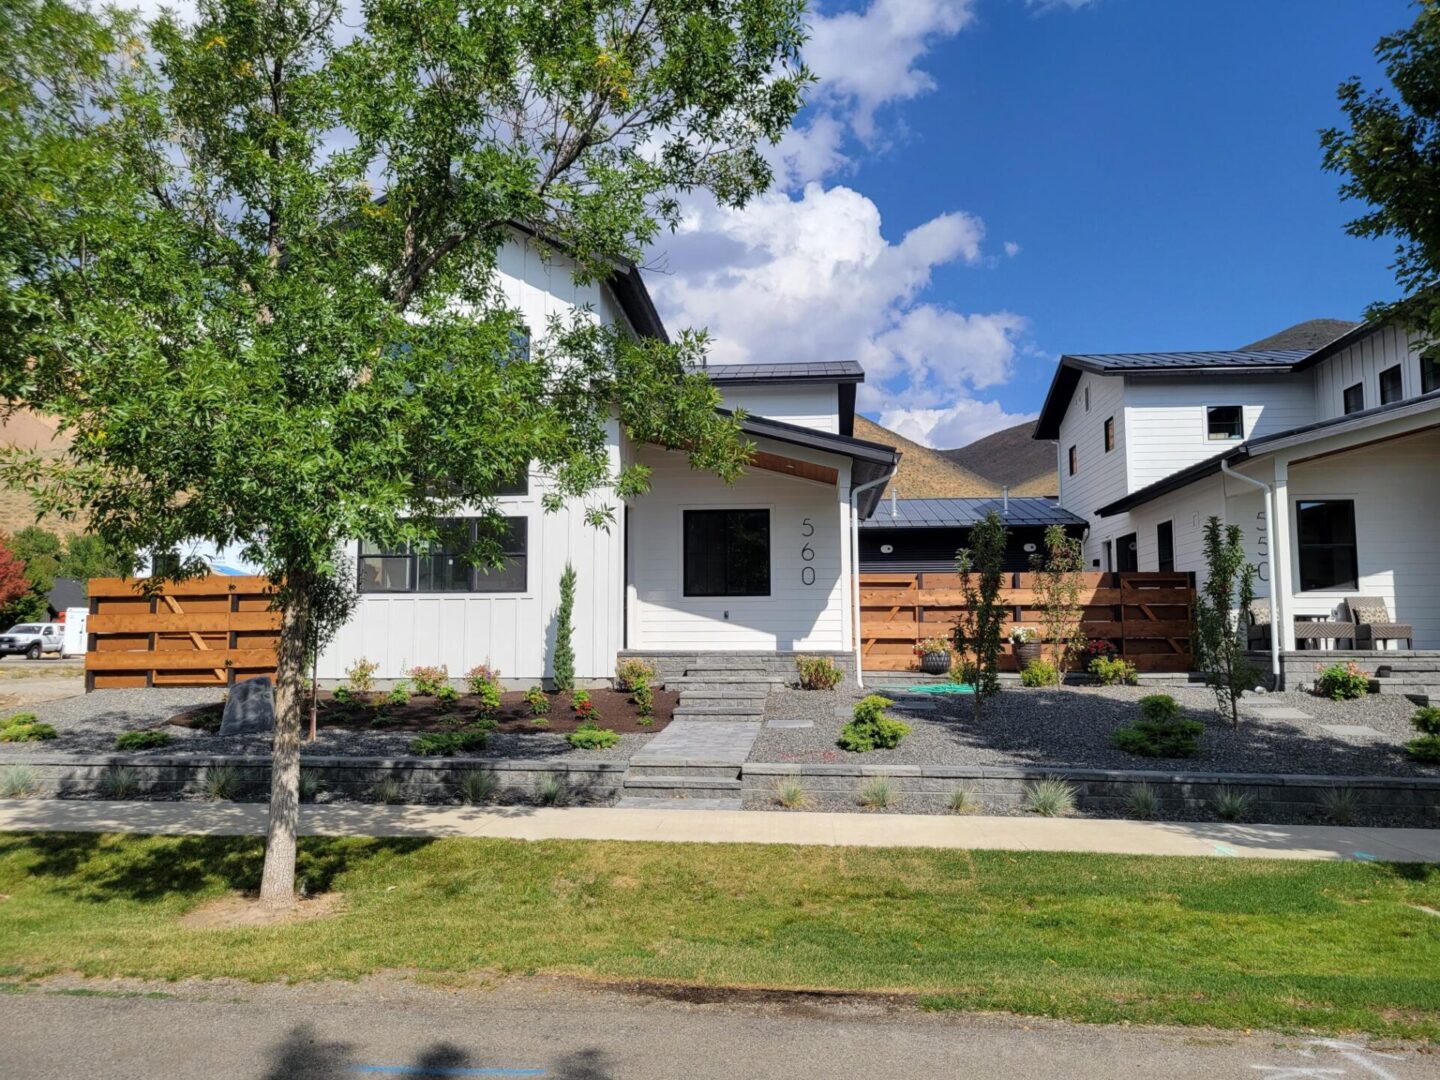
564	665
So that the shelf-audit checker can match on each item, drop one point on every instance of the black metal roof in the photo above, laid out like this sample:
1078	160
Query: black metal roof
1265	443
830	371
1189	361
963	513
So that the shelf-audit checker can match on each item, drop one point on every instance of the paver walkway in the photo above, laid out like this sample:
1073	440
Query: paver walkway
721	742
739	826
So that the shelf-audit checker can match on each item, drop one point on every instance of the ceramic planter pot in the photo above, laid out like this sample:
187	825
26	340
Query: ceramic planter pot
935	663
1027	652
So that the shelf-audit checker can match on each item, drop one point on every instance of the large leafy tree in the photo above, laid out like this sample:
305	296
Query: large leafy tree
1390	158
250	262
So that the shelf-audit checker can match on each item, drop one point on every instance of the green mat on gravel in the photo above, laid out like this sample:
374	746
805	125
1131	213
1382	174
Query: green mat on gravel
928	688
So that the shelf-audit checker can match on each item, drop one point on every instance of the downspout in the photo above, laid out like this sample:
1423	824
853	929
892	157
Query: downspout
1276	614
855	493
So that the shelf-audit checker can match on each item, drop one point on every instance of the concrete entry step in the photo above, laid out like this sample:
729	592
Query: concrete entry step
645	802
708	742
732	693
724	706
682	768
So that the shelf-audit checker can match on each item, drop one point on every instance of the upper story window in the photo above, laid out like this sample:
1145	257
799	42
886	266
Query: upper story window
1392	385
439	566
727	552
1074	460
1109	434
1224	422
1087	399
1354	398
1429	373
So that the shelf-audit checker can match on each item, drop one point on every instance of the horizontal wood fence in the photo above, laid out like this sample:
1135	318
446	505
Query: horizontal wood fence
207	632
1147	617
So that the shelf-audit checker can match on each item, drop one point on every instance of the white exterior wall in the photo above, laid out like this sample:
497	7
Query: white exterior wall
1362	363
1165	418
794	615
512	631
809	406
1100	477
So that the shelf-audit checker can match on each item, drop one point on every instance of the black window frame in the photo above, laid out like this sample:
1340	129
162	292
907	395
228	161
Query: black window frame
1309	576
1073	461
1396	374
720	520
1429	373
1232	428
1165	547
1109	438
476	581
1127	553
1353	388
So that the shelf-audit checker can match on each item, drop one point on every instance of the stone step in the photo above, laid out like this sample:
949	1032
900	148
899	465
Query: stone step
752	687
722	718
645	802
699	710
674	769
681	787
739	693
1407	676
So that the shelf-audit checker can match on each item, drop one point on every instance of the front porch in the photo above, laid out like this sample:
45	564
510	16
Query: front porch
1410	673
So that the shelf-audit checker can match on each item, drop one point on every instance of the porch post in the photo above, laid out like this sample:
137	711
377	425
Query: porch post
1282	588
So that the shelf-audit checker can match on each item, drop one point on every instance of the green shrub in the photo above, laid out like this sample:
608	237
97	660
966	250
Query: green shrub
877	793
1425	749
119	782
1040	673
26	727
482	675
388	791
1426	720
143	740
632	671
1161	708
1050	797
220	782
538	702
791	794
1143	802
479	786
489	695
1159	738
16	781
644	699
429	680
1113	671
589	736
818	673
362	675
398	695
449	743
1339	805
1231	804
344	697
872	727
1343	682
309	785
563	662
553	790
962	802
446	697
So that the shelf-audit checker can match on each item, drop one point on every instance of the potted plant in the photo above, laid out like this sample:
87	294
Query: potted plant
1025	642
934	653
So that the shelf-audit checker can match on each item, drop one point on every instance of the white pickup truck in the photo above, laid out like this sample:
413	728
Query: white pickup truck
32	639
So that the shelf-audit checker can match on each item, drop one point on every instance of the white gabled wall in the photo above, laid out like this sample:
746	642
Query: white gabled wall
795	615
807	405
1165	418
1100	477
1362	363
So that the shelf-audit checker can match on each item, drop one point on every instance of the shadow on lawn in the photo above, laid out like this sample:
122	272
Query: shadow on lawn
303	1055
92	867
1069	728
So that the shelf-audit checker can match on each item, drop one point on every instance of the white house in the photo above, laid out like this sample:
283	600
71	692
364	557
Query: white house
693	566
1343	440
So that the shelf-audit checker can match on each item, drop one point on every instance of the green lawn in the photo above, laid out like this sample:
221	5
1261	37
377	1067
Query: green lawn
1287	945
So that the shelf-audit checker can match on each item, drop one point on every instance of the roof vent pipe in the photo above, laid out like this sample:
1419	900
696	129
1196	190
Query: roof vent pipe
1005	491
892	501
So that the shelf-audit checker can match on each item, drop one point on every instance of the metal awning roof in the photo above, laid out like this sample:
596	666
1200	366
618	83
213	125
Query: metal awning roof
963	513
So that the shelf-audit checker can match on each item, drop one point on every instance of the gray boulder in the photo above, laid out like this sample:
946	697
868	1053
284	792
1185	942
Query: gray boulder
250	708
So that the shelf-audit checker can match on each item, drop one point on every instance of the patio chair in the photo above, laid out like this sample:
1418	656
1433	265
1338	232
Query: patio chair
1259	632
1373	624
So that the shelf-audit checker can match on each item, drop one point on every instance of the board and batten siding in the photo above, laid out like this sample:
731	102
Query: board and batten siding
1100	477
816	407
795	615
1362	363
1165	418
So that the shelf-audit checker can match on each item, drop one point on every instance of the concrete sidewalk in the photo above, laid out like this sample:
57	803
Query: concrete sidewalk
736	826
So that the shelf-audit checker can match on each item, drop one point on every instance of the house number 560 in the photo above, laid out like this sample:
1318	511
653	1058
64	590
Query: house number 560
807	553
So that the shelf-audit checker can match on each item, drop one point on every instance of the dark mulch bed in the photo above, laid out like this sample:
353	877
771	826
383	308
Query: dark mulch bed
613	709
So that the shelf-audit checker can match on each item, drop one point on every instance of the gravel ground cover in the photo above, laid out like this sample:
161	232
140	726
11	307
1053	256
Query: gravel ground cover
90	723
1070	728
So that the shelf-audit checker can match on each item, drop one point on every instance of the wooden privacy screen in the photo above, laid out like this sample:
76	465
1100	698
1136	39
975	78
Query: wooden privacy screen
207	632
1145	616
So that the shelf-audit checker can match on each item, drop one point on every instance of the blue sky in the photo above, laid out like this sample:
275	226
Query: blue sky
980	185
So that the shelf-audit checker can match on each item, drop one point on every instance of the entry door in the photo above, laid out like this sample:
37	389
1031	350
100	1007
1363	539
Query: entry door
1127	559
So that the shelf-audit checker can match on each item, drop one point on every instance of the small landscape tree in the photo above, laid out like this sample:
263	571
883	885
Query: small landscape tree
977	627
13	583
564	663
1222	618
1057	571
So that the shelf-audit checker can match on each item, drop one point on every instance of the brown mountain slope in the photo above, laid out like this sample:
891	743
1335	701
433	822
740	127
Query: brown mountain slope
924	473
1012	457
1310	334
30	432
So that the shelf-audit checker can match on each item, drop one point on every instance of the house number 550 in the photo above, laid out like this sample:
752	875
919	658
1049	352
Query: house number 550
807	553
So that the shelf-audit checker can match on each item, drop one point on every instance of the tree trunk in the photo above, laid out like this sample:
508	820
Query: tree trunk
277	884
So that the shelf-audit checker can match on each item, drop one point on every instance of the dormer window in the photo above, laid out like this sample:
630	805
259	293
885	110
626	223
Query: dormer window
1354	398
1392	385
1224	422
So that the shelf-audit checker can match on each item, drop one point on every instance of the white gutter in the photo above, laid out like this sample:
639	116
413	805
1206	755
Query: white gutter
855	561
1276	613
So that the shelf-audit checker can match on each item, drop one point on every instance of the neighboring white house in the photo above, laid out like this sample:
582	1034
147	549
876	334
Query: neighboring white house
764	564
1344	438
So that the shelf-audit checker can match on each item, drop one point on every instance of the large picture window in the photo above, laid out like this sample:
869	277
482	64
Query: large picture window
727	552
1325	538
439	566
